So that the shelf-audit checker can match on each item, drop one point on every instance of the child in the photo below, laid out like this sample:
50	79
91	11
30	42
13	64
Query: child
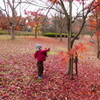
40	55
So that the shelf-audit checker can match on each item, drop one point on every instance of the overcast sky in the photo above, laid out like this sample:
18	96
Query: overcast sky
76	7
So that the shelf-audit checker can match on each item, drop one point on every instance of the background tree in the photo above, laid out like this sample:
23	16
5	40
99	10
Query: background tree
34	21
10	11
94	21
3	24
59	23
97	15
46	24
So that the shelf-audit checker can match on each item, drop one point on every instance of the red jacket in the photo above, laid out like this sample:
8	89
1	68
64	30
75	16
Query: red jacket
41	55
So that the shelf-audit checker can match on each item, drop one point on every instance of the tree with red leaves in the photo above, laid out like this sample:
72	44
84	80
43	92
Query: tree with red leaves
83	14
35	21
3	22
94	21
10	10
97	16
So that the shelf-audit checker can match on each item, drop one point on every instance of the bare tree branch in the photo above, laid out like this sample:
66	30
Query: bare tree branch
84	19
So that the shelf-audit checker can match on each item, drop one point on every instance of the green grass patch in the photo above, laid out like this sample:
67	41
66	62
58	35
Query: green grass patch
52	53
87	33
62	49
36	80
3	73
24	34
5	37
18	33
27	50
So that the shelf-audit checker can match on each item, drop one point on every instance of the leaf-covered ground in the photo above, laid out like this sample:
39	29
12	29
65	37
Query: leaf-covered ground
18	72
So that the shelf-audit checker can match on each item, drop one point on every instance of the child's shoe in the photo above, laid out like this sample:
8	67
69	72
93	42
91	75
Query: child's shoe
39	77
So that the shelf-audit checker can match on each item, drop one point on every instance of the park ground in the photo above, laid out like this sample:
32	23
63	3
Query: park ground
18	71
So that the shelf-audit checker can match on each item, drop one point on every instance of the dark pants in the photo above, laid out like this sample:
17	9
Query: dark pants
40	68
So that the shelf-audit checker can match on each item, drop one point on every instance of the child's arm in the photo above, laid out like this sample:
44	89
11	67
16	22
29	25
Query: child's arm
44	51
35	54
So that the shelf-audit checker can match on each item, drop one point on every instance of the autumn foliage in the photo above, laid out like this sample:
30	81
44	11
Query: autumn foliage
18	72
34	20
78	50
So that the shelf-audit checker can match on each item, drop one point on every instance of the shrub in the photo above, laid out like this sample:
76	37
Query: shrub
54	34
58	34
3	32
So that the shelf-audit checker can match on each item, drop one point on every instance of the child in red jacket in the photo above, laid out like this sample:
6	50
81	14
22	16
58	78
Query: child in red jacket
40	55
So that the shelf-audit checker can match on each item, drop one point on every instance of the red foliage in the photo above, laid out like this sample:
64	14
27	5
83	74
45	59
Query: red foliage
94	20
97	9
34	18
54	1
76	51
3	23
18	67
98	33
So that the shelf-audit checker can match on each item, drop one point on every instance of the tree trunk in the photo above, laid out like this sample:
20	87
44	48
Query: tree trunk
36	32
98	54
60	37
76	65
13	24
12	33
98	35
70	68
56	36
70	63
98	47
